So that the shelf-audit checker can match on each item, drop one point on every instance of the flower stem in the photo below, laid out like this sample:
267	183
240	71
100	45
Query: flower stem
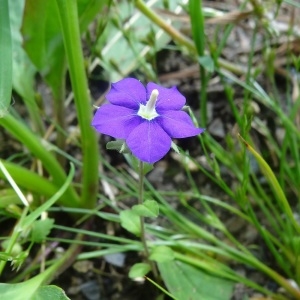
142	220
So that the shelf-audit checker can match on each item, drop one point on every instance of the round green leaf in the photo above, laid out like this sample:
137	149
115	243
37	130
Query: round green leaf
139	270
130	221
162	254
149	208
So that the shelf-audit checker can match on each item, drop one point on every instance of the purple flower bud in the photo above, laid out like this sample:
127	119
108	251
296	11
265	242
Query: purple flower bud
146	118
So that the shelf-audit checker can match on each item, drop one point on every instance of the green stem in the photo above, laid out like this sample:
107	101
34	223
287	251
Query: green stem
5	58
140	201
34	113
155	18
65	261
142	221
36	147
71	37
60	117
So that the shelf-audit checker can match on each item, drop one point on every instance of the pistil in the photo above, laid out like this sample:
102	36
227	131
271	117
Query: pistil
148	111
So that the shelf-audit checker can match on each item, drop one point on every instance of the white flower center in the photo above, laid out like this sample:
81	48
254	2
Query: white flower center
148	111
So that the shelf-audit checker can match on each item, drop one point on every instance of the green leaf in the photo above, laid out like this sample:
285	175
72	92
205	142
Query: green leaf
130	221
149	208
8	197
162	254
207	63
187	282
50	292
15	250
139	270
118	145
41	229
29	290
23	69
175	147
43	41
5	58
88	9
6	257
19	260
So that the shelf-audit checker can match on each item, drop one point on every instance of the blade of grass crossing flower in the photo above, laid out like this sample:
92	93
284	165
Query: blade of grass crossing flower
5	58
71	35
279	194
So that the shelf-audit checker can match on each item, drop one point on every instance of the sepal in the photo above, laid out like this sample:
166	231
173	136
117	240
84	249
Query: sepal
118	145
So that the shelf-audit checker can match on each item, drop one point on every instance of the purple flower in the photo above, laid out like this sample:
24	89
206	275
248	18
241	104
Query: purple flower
146	118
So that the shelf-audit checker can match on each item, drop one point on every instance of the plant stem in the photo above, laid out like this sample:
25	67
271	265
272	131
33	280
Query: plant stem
140	201
6	58
71	37
59	95
142	221
34	112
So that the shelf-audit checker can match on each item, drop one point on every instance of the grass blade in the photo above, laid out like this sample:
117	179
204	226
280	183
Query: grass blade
5	58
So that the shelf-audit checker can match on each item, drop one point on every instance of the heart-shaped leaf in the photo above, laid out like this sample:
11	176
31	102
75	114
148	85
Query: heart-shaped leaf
139	270
130	221
187	282
149	208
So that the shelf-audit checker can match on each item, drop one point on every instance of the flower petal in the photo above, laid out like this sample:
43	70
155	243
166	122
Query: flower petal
116	121
128	92
178	124
168	99
149	142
